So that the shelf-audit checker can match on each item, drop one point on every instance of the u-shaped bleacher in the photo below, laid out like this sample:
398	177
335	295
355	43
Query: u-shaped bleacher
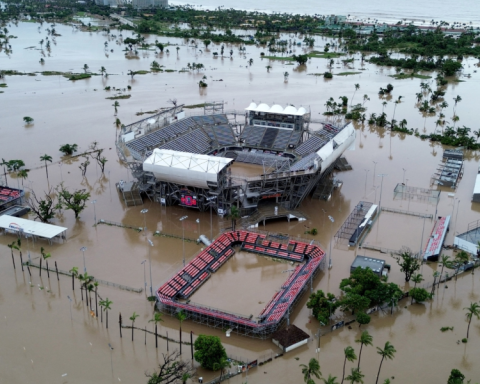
199	270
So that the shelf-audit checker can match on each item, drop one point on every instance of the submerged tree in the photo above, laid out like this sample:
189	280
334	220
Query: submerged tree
472	310
408	263
44	208
350	356
28	119
76	200
387	353
171	370
46	158
311	370
68	149
365	339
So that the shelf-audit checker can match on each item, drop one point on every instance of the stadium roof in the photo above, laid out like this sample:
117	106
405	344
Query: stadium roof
30	227
289	110
185	168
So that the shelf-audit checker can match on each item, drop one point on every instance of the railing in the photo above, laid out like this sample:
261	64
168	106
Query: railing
411	213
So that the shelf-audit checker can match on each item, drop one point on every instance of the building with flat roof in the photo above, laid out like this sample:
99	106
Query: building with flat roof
376	265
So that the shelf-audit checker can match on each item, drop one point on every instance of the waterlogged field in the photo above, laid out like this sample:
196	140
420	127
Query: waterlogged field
44	342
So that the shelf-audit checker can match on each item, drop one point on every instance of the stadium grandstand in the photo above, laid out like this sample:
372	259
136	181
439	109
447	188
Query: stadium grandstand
215	159
307	258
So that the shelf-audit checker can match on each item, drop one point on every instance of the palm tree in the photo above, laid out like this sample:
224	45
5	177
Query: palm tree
102	70
23	173
85	67
13	246
350	356
45	257
133	317
416	278
435	275
365	339
74	272
46	158
106	307
250	62
310	370
460	259
356	376
268	68
331	380
456	100
472	310
234	215
445	262
156	319
117	123
115	105
221	365
388	352
131	73
357	87
181	316
285	76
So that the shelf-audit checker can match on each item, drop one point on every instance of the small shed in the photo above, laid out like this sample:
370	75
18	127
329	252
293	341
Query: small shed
376	265
290	338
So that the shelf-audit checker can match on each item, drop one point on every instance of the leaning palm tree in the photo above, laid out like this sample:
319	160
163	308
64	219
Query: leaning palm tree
350	356
46	158
331	380
181	316
356	376
133	317
365	339
460	259
388	352
357	87
416	278
472	310
311	370
156	319
13	246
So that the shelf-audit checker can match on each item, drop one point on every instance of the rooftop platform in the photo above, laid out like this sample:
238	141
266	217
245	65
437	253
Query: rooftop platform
436	239
30	228
376	265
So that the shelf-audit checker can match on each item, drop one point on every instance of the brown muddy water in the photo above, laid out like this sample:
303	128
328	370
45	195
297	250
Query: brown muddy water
42	343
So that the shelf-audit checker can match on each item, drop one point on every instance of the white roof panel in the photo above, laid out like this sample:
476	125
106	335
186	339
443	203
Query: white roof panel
276	109
263	108
290	110
476	189
325	151
344	134
251	107
30	227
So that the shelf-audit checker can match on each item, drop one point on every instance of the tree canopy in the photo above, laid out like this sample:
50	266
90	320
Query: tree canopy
209	352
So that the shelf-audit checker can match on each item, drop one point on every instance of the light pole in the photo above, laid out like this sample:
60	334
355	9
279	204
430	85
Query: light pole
366	174
404	170
183	237
374	169
111	356
150	262
83	249
438	199
332	220
209	199
456	217
382	175
144	274
144	211
94	202
69	299
198	222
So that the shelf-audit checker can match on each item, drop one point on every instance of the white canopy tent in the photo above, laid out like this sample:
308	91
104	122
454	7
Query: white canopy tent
17	225
277	109
185	168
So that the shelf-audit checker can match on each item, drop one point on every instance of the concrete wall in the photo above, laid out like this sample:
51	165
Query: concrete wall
465	245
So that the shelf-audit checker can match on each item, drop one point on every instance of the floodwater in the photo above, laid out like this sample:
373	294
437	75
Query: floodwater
229	282
42	342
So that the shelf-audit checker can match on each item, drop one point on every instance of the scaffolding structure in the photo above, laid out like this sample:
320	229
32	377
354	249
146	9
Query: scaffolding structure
353	220
213	108
173	296
404	192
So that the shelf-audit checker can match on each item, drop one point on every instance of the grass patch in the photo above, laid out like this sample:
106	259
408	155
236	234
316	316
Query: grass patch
78	76
118	97
170	70
325	55
401	76
147	112
3	85
54	73
193	106
81	14
141	72
315	74
347	73
445	329
286	58
10	72
156	70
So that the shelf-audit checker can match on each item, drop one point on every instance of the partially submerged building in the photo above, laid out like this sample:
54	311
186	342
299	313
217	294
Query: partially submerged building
376	265
289	338
216	160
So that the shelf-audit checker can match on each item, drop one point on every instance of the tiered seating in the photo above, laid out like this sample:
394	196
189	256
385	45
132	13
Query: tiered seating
305	163
7	194
281	141
313	144
221	260
269	137
247	131
193	142
295	138
255	137
224	134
